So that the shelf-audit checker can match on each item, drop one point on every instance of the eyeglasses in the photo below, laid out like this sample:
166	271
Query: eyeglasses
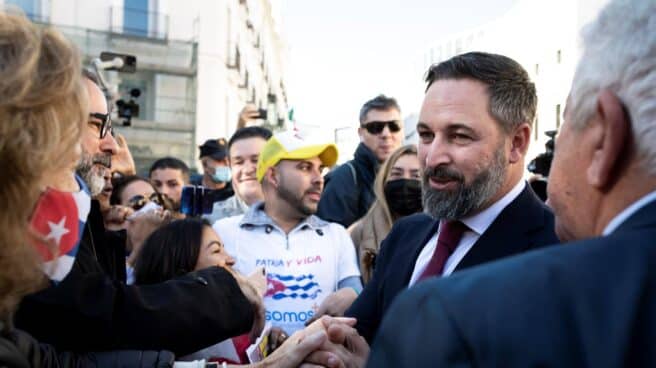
376	127
104	126
137	202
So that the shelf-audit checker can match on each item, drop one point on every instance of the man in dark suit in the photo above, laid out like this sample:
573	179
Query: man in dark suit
474	130
592	302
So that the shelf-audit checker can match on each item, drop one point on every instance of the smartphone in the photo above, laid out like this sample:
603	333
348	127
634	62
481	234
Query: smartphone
196	200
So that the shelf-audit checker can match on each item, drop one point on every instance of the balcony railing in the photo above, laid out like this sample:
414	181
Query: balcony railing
139	23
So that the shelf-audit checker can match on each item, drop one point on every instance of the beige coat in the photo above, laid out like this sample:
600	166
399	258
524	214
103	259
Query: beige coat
367	234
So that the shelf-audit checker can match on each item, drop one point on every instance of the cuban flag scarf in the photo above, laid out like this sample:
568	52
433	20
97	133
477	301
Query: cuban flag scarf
58	221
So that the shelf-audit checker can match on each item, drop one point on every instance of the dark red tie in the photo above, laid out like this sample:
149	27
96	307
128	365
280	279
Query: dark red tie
447	241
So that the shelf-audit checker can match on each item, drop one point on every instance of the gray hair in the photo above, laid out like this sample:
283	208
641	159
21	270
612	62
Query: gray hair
619	54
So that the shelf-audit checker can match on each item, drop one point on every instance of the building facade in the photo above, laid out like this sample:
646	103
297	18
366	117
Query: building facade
198	63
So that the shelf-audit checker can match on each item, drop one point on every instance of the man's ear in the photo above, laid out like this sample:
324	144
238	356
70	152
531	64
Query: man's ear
611	130
272	176
361	131
519	141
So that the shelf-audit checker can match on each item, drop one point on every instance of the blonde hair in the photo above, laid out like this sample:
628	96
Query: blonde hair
43	108
381	179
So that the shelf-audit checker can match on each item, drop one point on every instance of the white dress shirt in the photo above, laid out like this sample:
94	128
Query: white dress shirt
627	212
477	225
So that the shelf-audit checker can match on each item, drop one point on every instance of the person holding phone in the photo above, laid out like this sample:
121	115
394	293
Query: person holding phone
168	176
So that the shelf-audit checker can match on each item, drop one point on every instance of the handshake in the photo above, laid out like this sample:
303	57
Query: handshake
326	342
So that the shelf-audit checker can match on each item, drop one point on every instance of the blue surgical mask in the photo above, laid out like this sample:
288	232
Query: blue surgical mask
222	174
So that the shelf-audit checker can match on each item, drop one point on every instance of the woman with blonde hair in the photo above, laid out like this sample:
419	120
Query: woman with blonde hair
42	114
398	193
41	119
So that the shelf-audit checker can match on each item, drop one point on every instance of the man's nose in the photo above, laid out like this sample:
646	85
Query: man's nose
386	133
436	153
109	144
317	178
167	190
250	167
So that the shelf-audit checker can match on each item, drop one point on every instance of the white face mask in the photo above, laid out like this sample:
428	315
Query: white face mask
222	174
58	220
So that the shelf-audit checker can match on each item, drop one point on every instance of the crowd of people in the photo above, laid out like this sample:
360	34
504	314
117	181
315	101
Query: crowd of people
435	254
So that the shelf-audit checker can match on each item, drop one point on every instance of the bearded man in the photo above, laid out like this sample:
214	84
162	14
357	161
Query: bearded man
474	130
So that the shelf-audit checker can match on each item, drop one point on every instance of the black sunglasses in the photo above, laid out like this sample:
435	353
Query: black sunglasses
105	125
376	127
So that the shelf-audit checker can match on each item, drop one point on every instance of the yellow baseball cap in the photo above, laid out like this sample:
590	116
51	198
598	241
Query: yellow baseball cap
290	145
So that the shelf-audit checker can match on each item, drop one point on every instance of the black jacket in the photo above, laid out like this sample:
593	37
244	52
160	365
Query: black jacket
525	224
349	189
19	349
91	309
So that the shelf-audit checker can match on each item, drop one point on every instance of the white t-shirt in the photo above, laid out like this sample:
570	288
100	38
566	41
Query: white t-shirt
302	267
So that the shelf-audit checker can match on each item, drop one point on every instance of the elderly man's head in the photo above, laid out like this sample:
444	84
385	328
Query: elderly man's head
605	155
98	143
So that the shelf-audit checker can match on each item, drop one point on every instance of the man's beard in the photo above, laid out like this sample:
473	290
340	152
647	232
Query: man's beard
465	199
91	170
295	201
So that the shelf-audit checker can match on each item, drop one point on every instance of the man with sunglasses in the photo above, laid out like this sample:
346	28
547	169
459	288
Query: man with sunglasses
93	309
349	188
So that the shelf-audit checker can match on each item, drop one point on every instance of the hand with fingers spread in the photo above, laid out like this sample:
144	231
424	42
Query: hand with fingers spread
122	161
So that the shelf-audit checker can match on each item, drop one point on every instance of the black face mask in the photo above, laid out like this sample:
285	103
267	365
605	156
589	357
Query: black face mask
403	196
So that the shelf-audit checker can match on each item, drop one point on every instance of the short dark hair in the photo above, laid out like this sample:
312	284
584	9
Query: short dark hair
170	163
119	185
249	132
380	102
170	251
513	99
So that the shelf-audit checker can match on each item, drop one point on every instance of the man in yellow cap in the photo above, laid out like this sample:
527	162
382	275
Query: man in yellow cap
310	263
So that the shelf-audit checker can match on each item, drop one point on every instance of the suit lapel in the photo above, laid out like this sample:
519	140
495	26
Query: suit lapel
408	256
509	232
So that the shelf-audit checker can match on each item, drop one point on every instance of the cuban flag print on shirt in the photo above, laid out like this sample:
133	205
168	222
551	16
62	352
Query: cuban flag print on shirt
59	218
288	286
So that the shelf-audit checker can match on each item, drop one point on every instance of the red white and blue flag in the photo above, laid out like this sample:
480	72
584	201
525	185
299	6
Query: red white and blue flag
59	219
290	286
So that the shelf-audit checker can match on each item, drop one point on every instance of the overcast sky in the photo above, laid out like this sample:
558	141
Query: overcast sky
344	52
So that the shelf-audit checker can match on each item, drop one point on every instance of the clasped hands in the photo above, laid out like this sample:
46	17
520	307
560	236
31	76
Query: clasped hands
328	342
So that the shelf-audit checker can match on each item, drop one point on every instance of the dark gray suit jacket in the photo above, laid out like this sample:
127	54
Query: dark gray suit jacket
590	303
